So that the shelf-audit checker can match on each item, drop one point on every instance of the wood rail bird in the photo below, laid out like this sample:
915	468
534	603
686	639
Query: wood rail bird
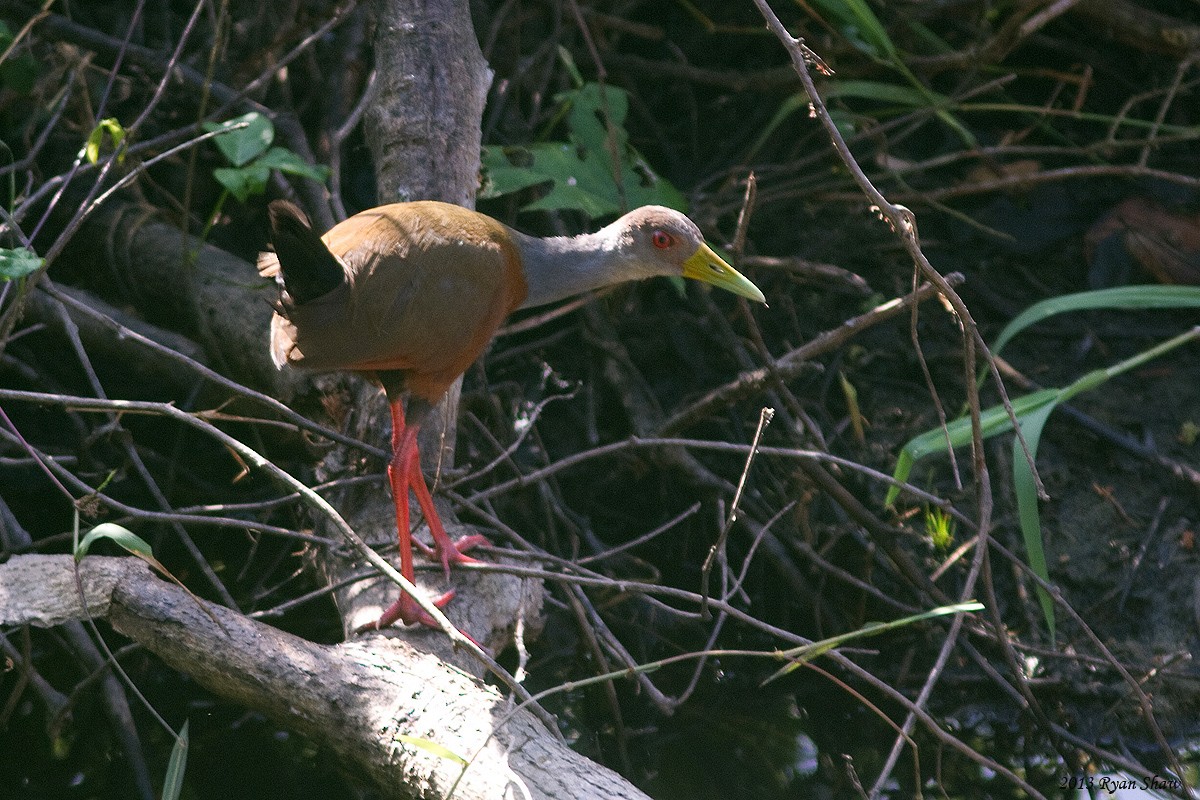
411	294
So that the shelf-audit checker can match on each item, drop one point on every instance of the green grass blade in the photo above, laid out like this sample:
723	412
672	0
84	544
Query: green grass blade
1025	486
860	25
993	421
124	537
880	91
176	766
798	656
1121	297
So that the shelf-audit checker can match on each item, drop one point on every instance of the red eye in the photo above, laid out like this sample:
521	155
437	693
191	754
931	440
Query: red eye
662	240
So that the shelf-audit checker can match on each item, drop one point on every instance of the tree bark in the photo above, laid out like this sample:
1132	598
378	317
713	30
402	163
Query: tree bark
424	131
356	699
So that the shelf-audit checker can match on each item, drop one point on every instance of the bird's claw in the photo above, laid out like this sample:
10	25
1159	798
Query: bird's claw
449	552
407	611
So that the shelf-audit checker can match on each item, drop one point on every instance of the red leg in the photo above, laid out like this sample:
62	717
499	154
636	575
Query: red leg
398	477
404	471
405	609
449	552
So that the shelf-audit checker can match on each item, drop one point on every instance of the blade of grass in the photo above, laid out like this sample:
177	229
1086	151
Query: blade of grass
1025	487
176	766
1121	297
801	655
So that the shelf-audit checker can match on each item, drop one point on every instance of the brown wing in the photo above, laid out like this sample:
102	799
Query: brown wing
428	285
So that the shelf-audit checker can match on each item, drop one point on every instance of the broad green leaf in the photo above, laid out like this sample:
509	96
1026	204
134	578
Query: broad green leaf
596	172
18	262
579	180
124	537
243	182
176	766
286	161
592	110
242	145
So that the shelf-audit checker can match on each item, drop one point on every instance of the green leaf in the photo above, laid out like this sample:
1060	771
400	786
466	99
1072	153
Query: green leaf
1121	297
124	537
242	145
1025	486
243	182
441	751
596	114
993	421
109	125
17	262
176	766
860	25
798	656
286	161
596	172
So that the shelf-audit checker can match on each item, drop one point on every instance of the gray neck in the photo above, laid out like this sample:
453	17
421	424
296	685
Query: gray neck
564	266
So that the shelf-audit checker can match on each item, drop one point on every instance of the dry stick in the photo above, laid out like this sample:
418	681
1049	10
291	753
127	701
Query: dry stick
743	221
645	537
733	612
636	442
1098	753
56	471
1184	67
1026	182
915	338
8	319
730	591
903	221
253	458
507	452
718	548
582	609
112	692
341	135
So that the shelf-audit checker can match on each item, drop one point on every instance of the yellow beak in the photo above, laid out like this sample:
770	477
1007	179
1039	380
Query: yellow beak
705	265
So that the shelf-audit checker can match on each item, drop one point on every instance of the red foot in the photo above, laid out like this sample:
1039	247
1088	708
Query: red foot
407	611
449	552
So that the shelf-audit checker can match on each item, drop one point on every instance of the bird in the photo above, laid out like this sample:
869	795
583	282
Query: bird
411	294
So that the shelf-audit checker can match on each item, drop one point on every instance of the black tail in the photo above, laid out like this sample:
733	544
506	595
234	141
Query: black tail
309	270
